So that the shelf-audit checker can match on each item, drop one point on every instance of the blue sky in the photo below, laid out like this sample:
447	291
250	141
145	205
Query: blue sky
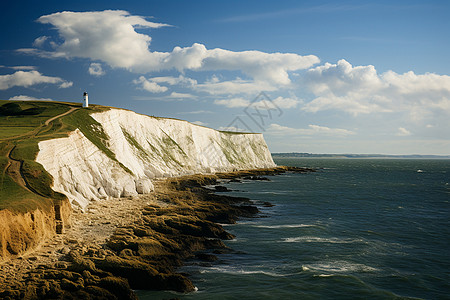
313	76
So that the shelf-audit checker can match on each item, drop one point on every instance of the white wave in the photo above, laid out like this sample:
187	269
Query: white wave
235	271
237	240
285	226
273	193
315	239
247	222
339	267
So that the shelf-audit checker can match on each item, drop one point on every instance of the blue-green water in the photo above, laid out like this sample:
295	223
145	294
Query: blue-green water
357	229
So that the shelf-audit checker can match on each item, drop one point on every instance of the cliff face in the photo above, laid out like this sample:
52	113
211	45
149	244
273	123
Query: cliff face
139	148
20	232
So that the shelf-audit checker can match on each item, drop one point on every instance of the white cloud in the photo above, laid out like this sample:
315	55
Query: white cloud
29	98
267	67
153	85
232	87
360	90
39	42
181	95
23	68
66	84
403	132
232	103
279	102
174	96
107	35
199	123
96	69
149	86
110	36
279	130
175	80
26	79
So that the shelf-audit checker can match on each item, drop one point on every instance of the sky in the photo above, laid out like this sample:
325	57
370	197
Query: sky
312	76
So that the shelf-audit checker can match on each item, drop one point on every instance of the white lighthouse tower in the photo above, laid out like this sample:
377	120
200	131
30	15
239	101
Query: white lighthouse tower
85	100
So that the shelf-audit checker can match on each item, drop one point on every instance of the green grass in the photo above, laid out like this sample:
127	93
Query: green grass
23	126
237	132
8	131
132	141
15	198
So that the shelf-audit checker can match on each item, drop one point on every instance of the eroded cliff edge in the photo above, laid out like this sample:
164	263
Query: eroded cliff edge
136	149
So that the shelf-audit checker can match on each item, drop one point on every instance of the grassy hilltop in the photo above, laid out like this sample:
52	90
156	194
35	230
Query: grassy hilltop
24	184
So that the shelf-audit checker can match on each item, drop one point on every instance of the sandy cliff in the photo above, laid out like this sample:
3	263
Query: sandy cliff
140	148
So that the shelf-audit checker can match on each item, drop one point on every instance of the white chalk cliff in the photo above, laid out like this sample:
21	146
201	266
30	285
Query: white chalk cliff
144	148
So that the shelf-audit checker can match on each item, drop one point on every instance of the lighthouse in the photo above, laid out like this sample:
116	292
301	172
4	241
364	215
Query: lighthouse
85	100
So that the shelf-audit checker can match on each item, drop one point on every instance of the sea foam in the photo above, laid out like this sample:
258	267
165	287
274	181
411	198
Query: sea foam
285	226
339	267
314	239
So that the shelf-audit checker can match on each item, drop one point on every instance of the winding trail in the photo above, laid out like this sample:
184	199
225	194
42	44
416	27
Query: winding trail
13	169
34	132
60	115
14	166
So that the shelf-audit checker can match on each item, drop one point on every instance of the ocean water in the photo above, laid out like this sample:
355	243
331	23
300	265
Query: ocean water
356	229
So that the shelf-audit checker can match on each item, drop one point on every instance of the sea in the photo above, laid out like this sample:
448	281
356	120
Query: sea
355	229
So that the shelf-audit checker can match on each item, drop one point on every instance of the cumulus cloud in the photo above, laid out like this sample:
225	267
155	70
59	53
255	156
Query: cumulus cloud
66	84
29	98
152	85
360	90
110	36
171	80
282	102
96	69
270	67
276	129
26	79
403	132
149	85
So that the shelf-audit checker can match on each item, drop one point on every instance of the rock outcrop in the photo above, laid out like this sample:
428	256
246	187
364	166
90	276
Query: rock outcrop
139	148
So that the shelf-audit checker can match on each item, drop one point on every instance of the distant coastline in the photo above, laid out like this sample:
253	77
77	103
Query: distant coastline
314	155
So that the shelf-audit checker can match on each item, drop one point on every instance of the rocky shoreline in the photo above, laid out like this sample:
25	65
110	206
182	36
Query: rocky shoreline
135	243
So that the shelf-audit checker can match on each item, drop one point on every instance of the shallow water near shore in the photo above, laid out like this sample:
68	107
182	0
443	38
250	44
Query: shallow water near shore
357	228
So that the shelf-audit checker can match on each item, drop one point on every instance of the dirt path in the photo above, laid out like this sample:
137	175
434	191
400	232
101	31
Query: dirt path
13	168
60	115
35	131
